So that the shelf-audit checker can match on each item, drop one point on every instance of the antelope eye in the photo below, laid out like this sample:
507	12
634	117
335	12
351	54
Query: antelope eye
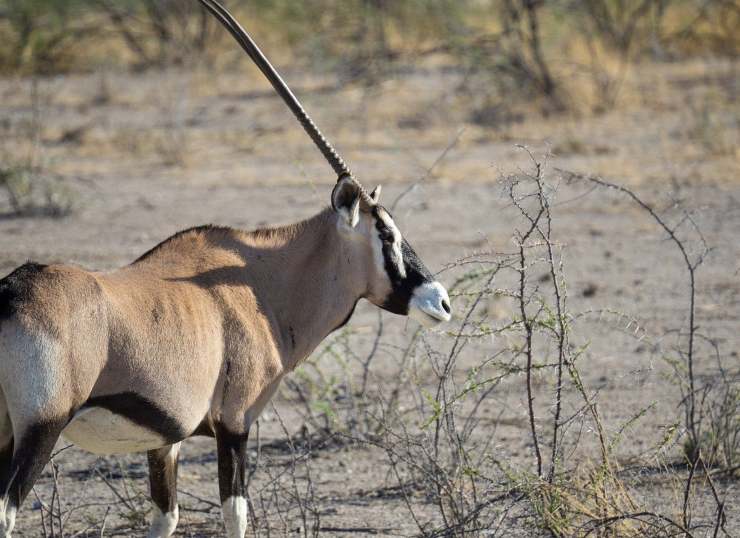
386	236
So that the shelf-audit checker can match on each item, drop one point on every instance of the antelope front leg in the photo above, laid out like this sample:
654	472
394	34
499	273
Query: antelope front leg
232	471
163	486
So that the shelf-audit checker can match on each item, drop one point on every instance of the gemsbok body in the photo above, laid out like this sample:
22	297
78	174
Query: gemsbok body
192	338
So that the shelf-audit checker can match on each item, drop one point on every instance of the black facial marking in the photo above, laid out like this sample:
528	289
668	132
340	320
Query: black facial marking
163	479
403	288
291	332
416	272
387	237
141	411
16	288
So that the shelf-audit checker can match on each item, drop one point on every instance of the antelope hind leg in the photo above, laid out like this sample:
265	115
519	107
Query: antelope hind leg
163	487
31	451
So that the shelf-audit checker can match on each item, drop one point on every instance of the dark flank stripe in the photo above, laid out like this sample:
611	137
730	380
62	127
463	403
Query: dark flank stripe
141	411
204	429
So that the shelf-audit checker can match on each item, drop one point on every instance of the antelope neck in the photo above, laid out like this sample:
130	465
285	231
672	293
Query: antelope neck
321	279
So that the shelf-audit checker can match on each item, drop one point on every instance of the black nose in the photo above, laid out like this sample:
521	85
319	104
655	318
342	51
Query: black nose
446	305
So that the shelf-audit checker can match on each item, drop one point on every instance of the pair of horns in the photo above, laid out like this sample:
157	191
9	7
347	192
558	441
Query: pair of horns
250	47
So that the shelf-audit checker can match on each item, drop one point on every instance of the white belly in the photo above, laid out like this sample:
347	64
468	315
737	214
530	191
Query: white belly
99	431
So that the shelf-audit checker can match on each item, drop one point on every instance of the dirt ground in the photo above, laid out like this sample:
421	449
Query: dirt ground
139	157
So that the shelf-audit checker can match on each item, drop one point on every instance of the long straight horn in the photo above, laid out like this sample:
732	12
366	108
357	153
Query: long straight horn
251	48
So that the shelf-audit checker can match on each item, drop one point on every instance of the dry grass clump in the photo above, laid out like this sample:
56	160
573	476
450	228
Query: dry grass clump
31	191
591	500
27	178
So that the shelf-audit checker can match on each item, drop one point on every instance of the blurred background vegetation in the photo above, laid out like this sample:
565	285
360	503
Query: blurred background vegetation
560	53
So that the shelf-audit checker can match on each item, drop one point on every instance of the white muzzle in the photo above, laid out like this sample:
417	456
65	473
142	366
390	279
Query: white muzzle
430	304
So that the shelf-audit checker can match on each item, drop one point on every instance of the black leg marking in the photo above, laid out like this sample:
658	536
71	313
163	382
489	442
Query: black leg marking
7	513
6	458
232	463
163	487
30	454
163	477
232	484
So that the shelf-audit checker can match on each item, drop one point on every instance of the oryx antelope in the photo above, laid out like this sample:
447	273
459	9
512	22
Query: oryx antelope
193	337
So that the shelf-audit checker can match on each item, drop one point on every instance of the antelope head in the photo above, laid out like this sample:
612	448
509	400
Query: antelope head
396	279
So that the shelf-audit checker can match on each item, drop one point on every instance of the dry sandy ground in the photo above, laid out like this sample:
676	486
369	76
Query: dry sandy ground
144	156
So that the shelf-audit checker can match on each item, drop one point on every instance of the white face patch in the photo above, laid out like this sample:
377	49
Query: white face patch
377	245
395	254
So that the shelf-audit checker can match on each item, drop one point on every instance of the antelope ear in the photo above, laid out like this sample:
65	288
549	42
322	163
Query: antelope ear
375	195
345	199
